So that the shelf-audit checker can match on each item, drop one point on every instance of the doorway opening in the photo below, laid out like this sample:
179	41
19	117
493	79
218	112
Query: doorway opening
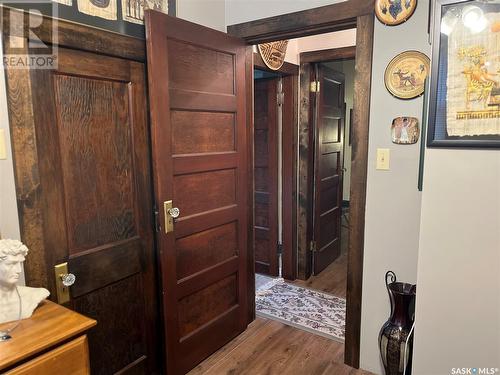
322	171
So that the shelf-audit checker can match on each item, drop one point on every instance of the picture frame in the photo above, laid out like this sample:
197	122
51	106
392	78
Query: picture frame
464	100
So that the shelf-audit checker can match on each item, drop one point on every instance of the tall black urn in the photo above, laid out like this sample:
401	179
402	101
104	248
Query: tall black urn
394	341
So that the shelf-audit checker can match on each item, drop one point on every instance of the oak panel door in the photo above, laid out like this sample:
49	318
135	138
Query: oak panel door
198	110
266	176
94	163
329	159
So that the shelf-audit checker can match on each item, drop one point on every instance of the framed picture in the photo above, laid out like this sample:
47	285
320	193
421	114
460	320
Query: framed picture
464	105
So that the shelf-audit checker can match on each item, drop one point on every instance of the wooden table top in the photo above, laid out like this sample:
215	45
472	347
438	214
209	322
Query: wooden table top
49	325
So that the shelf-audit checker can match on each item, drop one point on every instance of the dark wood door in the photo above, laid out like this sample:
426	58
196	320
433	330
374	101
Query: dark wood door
266	175
93	162
198	94
329	159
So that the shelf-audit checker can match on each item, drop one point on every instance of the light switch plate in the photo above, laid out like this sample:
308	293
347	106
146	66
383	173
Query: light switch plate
383	158
3	145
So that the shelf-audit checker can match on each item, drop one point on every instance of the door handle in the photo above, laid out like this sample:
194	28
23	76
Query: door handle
170	213
64	279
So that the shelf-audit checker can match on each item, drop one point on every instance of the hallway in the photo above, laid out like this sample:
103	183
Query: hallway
272	348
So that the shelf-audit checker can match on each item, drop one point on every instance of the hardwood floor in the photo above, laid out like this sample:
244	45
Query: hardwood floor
333	279
270	347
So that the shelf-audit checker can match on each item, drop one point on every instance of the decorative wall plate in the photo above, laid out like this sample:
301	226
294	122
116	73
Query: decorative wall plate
406	73
405	130
273	53
394	12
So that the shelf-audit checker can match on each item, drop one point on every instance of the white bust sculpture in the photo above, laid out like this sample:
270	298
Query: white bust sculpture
16	301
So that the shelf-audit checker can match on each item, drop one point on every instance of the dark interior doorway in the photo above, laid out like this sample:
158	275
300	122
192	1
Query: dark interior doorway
267	188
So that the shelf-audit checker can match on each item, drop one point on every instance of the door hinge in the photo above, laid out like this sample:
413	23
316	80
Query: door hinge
315	86
312	246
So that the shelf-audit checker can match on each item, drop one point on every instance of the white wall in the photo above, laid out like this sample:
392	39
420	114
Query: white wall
338	39
458	292
238	11
210	13
393	201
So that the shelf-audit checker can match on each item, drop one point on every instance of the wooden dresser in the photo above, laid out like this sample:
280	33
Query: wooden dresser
52	341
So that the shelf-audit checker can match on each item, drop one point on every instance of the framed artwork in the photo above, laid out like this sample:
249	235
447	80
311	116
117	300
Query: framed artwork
106	9
405	130
133	10
464	106
406	73
394	12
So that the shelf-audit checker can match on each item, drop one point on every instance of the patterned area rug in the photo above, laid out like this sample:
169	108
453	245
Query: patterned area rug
307	309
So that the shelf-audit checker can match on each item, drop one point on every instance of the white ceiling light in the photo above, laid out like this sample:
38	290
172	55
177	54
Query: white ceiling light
474	19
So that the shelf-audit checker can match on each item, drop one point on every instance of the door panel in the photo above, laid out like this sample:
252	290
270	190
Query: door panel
329	158
199	130
266	176
93	142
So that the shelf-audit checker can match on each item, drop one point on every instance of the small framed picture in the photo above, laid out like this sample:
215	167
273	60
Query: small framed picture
464	107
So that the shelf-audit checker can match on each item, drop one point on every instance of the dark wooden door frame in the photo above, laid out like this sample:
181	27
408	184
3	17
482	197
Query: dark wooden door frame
341	16
306	173
290	78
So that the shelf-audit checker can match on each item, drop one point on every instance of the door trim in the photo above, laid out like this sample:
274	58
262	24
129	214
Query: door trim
340	16
306	174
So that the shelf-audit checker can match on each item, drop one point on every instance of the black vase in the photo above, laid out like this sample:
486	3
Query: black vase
394	342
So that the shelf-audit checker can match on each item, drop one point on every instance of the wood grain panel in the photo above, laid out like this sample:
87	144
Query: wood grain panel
116	314
200	69
329	221
200	192
71	358
261	214
329	164
206	249
331	129
200	132
110	264
261	148
261	179
94	139
207	304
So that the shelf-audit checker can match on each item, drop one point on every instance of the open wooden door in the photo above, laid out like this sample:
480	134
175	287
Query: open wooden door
199	95
266	176
329	160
